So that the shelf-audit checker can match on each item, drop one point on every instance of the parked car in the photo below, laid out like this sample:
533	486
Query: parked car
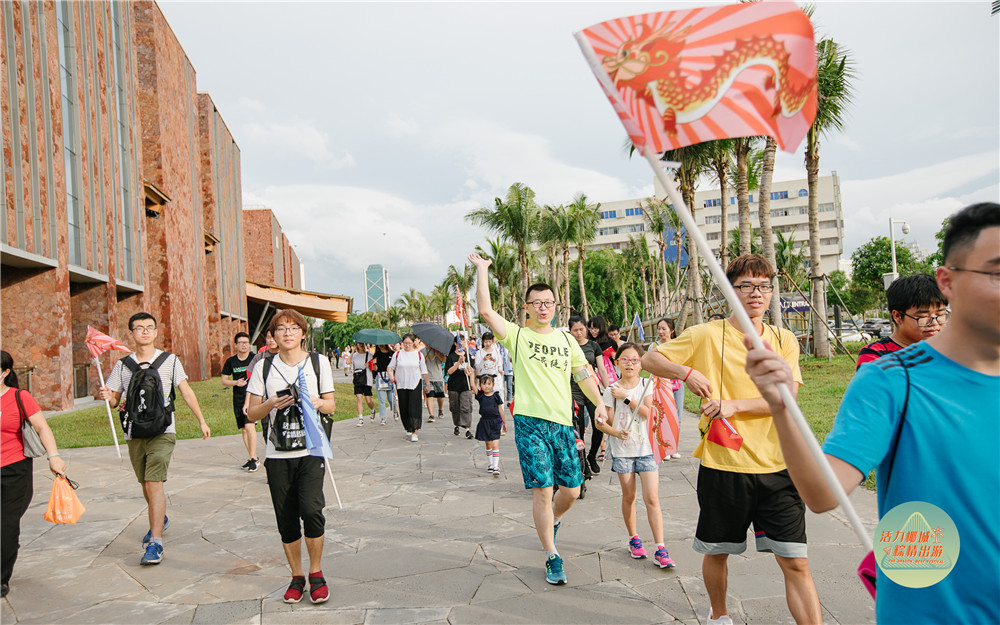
877	328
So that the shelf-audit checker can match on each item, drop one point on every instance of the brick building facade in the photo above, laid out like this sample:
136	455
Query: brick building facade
120	192
270	259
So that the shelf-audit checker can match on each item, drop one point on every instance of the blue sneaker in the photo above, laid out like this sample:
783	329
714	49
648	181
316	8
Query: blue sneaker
555	531
554	573
153	555
149	534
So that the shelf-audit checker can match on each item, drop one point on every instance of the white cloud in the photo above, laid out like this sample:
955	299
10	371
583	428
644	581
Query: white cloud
845	141
251	104
295	140
397	126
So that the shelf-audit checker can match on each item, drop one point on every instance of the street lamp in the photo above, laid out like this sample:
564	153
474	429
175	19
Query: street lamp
888	278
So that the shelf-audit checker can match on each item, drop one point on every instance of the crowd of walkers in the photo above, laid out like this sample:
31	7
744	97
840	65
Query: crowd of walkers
943	359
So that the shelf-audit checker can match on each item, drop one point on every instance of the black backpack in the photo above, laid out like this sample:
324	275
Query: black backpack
144	414
291	436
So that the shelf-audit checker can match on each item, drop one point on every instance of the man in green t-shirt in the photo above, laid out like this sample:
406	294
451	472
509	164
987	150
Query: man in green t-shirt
544	360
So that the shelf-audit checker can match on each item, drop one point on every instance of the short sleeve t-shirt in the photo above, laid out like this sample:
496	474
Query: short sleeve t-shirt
171	374
359	362
722	362
877	349
489	362
458	382
12	447
435	370
409	369
278	378
591	351
239	370
489	405
543	366
946	456
638	444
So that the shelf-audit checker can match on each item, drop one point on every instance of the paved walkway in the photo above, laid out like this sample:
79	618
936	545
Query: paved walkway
425	536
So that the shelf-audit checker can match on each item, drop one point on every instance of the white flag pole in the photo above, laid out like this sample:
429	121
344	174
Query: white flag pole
723	284
107	406
333	482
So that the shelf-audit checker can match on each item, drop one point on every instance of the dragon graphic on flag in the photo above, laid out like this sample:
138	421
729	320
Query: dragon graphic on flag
690	76
663	428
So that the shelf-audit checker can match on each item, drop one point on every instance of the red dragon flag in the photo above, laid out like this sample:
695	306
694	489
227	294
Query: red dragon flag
460	309
663	428
685	77
98	343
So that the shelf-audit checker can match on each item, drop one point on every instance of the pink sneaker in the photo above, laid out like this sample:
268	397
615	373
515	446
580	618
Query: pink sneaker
635	546
662	559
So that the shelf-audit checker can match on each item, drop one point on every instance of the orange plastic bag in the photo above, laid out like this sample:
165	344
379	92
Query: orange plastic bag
64	505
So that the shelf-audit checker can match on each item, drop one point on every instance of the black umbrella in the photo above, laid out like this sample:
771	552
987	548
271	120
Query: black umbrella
436	337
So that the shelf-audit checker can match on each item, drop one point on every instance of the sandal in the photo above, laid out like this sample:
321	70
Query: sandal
600	456
294	592
319	592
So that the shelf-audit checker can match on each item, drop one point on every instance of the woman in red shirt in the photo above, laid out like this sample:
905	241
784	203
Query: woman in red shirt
15	469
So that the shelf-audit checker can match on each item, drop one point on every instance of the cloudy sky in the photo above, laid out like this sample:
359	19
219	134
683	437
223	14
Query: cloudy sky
371	129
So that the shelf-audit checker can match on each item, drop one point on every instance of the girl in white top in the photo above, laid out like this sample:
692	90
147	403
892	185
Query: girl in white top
489	361
632	451
405	370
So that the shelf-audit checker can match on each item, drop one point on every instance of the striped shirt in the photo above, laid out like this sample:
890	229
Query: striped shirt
877	349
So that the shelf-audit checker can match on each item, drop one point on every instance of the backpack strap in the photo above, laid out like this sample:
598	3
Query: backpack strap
899	427
266	363
314	359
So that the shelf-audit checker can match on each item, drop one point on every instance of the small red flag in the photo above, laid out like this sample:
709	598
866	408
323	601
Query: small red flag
460	308
721	432
683	77
98	343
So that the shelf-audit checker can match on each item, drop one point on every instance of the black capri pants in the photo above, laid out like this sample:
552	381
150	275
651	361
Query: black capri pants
296	486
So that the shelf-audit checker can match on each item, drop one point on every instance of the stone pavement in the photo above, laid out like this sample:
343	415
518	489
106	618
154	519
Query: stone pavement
425	536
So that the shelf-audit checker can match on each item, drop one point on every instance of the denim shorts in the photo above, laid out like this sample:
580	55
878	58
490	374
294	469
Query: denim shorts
436	389
635	464
548	454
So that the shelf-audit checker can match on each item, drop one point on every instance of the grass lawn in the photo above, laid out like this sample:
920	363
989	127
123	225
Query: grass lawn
89	427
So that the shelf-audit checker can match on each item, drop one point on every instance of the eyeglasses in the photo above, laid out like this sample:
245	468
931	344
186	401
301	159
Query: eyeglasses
750	288
287	330
631	361
923	322
994	275
540	304
144	329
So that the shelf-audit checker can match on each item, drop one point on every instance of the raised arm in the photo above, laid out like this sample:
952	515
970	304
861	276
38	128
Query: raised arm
492	318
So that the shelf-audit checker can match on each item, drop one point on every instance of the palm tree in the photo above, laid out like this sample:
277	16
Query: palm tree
743	148
393	316
504	266
413	305
622	274
835	71
694	163
440	301
658	217
736	242
720	161
584	218
462	281
558	229
513	218
790	259
764	217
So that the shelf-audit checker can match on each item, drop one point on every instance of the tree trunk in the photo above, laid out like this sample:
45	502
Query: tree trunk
821	340
681	321
766	233
585	308
724	219
522	259
694	260
624	322
645	295
565	295
743	194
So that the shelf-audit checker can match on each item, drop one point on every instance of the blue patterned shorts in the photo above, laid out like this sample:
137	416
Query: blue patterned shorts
547	452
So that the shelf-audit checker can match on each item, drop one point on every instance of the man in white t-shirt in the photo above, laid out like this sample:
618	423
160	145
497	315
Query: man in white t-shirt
294	477
151	456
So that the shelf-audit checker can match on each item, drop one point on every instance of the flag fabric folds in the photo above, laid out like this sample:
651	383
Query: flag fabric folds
640	333
460	309
316	441
98	343
683	77
722	432
662	425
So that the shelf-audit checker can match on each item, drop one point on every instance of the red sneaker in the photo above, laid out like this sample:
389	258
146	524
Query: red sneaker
318	590
294	592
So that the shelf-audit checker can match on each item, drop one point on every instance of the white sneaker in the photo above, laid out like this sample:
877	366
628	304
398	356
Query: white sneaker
361	422
675	456
413	437
722	620
382	422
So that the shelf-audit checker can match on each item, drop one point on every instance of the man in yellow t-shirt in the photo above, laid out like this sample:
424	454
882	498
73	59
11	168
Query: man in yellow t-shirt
544	359
737	488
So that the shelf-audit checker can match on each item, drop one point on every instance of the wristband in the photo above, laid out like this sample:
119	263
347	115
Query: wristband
688	375
51	456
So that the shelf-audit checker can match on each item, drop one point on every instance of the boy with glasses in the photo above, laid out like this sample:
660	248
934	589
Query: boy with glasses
151	456
918	310
544	360
278	390
938	400
740	485
236	374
